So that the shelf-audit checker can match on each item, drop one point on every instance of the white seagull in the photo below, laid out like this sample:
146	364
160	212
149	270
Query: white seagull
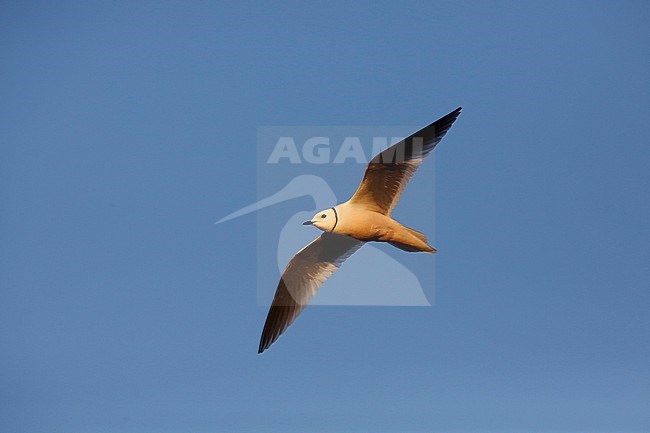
347	226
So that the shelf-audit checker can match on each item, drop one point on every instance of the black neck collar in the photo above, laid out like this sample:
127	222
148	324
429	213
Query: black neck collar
336	215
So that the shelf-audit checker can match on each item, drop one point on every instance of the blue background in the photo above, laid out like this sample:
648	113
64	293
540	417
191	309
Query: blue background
128	128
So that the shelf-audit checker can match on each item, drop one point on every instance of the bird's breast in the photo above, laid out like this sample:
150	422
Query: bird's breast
364	225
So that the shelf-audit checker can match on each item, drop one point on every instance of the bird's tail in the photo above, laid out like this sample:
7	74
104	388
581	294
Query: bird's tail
414	242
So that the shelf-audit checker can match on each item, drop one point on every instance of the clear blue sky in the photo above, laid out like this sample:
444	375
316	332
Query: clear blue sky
128	128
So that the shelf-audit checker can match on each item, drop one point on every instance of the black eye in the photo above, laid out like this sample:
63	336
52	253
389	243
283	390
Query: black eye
323	216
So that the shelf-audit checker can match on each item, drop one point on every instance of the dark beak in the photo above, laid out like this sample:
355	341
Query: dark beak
307	223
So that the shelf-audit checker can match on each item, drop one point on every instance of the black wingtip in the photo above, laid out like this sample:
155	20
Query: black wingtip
264	343
452	115
430	136
444	123
262	347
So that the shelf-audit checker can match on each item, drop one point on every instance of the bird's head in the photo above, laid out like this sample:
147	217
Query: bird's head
325	220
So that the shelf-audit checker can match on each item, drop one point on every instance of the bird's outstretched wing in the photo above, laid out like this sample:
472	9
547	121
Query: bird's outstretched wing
389	171
302	277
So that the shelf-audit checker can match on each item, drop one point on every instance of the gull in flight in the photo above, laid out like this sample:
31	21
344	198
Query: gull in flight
347	226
